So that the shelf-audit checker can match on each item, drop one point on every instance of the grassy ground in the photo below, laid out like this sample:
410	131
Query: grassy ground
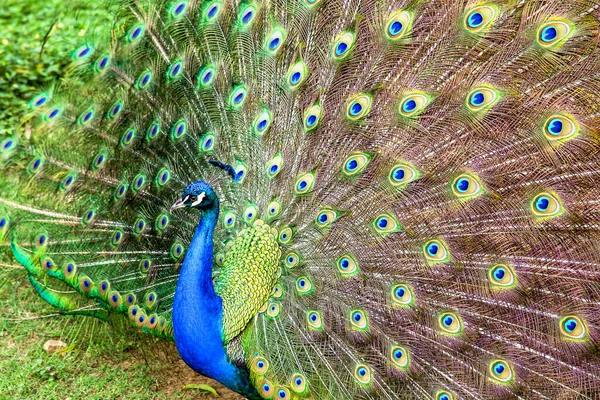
103	363
36	38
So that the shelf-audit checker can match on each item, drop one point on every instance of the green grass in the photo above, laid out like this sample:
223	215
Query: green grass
27	63
103	363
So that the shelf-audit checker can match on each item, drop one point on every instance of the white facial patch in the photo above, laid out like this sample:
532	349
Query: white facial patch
198	200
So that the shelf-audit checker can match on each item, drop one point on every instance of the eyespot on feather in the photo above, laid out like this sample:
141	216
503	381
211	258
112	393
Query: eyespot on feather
501	372
573	328
502	276
467	186
358	106
479	18
436	251
398	25
554	33
560	128
450	323
546	205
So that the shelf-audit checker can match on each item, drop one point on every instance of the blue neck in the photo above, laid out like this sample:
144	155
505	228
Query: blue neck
197	313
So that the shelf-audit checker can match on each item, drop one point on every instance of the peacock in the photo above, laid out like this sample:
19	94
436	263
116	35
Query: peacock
328	199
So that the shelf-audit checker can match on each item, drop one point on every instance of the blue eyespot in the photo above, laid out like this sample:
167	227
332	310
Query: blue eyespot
115	110
2	223
398	174
475	19
395	28
145	80
362	371
238	99
41	101
153	131
313	318
87	116
102	63
499	368
444	397
179	9
352	164
299	380
262	125
499	273
311	120
323	218
448	320
301	283
400	292
382	222
341	48
175	69
7	145
136	32
84	52
207	76
247	17
86	283
52	114
212	11
542	203
549	34
570	325
282	394
555	127
357	316
295	78
260	364
477	99
274	43
274	169
104	286
302	185
266	388
344	264
462	185
432	249
42	240
355	109
409	105
398	354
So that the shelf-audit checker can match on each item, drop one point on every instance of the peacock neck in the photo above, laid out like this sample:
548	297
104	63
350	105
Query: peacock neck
197	312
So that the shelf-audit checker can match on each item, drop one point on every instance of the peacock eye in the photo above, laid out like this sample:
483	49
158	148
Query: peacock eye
193	198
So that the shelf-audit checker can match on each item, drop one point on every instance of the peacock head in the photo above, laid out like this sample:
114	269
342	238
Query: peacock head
199	195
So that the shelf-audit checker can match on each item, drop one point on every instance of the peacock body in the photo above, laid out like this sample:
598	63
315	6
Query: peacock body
328	198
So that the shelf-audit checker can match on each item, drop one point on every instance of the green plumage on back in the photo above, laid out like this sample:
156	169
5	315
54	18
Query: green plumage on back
248	276
413	211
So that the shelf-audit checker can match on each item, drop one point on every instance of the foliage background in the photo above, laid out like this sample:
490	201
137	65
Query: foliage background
36	39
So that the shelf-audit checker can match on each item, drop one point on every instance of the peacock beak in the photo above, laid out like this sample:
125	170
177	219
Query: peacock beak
180	203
